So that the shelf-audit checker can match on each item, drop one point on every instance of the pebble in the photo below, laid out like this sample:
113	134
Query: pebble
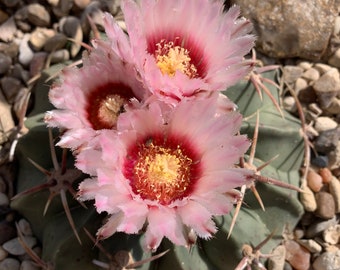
28	265
289	104
322	68
300	84
277	260
327	87
60	56
334	189
10	86
297	256
334	60
291	73
332	235
307	199
3	254
334	158
311	245
334	106
320	161
327	261
324	123
5	63
71	27
10	264
25	51
327	140
14	247
56	42
325	205
38	15
326	175
39	37
25	227
4	201
314	181
319	226
311	74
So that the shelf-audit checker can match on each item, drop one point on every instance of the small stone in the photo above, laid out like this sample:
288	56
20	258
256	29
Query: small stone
38	63
315	109
14	247
10	86
305	65
307	199
60	56
300	84
10	264
7	30
277	260
320	161
319	226
327	261
4	201
334	60
55	43
297	256
291	73
334	158
289	104
71	27
314	181
325	205
39	37
334	189
327	140
5	63
327	87
322	68
326	175
28	265
7	232
323	123
334	106
336	29
3	254
311	245
311	74
307	95
38	15
25	51
332	235
25	227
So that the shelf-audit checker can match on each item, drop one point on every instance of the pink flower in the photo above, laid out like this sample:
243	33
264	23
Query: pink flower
182	47
89	99
168	169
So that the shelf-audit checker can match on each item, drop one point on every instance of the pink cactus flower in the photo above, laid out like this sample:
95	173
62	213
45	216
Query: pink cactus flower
89	99
168	169
184	47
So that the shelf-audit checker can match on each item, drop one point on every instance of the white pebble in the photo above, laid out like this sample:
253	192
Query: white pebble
323	123
327	261
25	227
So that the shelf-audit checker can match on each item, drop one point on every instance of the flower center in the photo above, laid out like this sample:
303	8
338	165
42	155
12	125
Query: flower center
171	58
161	172
105	104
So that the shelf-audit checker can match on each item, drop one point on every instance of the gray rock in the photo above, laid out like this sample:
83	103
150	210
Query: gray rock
324	123
327	140
10	264
319	226
325	205
277	260
327	261
291	28
327	87
14	247
5	63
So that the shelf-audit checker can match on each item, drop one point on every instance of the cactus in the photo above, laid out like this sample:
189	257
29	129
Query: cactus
277	135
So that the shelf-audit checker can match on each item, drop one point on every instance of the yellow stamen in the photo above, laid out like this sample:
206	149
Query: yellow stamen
170	58
110	108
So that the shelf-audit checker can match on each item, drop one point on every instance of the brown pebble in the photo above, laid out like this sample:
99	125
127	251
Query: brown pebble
297	256
325	205
326	175
314	181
